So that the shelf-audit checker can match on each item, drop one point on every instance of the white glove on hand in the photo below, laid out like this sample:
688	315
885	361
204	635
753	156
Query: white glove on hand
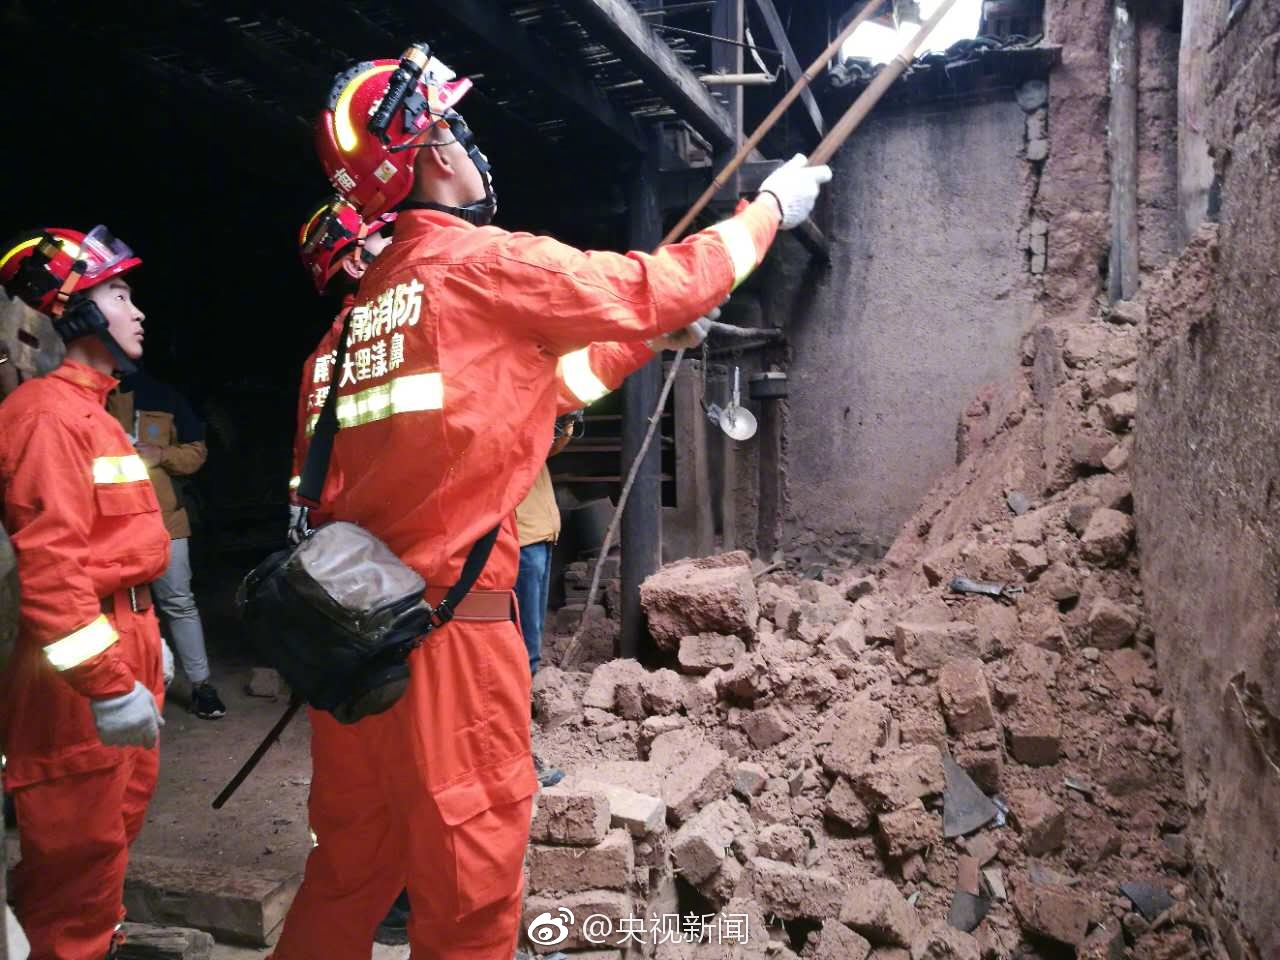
166	662
129	720
795	186
686	338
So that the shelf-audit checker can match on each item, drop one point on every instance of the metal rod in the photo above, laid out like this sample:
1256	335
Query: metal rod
747	333
753	141
242	774
738	79
715	38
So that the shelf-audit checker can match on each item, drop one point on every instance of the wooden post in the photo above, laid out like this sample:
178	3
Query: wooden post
1123	142
642	519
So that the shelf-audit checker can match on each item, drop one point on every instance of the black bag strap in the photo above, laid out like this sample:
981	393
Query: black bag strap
477	557
320	449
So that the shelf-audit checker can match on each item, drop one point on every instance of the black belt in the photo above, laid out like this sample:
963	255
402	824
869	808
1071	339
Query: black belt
136	599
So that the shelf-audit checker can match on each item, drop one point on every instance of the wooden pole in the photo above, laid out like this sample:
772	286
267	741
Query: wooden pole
1122	277
642	511
768	122
854	116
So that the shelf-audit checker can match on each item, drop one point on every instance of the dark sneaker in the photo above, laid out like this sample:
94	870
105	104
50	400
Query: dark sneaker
205	702
547	776
393	931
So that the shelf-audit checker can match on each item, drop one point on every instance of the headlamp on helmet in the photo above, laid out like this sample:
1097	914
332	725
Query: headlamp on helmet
379	113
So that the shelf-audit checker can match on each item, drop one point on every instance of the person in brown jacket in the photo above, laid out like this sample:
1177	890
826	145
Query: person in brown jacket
169	438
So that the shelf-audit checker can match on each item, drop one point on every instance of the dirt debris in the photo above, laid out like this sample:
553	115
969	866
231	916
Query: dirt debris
795	741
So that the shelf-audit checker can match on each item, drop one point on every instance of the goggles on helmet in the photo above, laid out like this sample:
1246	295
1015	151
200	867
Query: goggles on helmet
102	250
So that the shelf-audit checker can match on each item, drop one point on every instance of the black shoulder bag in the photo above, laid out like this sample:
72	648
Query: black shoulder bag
338	614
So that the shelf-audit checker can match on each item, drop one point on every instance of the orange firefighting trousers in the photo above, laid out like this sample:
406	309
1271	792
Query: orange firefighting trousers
435	796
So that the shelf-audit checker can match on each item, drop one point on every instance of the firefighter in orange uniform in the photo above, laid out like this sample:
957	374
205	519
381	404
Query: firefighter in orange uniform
80	699
444	408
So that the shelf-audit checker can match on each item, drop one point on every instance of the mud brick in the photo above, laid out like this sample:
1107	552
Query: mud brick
749	779
838	942
908	830
1052	911
982	757
791	892
897	777
572	817
877	910
1035	732
700	653
844	804
927	646
966	702
606	866
1041	822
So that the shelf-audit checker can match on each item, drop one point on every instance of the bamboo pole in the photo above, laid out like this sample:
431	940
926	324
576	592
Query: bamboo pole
753	141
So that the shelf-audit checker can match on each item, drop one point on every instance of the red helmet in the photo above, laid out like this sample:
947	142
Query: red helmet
46	268
373	168
331	233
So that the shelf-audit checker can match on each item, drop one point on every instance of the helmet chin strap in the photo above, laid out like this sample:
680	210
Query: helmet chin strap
477	212
82	319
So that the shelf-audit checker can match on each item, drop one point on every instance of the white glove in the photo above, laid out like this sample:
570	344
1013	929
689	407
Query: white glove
795	186
129	720
166	662
686	338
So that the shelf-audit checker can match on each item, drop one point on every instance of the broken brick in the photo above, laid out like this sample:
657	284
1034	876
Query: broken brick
1028	560
749	779
1051	911
662	692
611	904
767	727
639	813
1060	583
849	637
1035	731
838	942
602	689
790	892
704	595
845	805
877	910
939	941
553	695
1041	822
899	776
908	830
607	866
1108	537
927	646
982	757
1111	624
966	703
783	842
701	653
576	817
698	848
858	728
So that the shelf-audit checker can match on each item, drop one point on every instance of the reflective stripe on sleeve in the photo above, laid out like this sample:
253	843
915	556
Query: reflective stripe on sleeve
413	393
742	249
575	370
127	469
85	644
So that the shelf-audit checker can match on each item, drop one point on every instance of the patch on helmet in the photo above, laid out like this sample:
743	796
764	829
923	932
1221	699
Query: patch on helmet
386	170
342	180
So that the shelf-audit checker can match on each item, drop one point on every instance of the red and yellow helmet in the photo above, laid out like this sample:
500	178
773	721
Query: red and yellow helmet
46	268
331	233
366	143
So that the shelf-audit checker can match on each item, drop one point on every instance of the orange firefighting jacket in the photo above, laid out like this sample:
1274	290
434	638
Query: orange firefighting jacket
448	391
85	523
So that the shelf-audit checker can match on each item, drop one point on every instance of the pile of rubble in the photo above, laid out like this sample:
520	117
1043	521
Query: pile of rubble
963	753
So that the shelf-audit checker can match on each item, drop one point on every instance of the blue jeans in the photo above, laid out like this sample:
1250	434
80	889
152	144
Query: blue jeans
533	587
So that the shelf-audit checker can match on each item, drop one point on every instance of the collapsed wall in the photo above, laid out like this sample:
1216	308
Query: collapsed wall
1207	475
